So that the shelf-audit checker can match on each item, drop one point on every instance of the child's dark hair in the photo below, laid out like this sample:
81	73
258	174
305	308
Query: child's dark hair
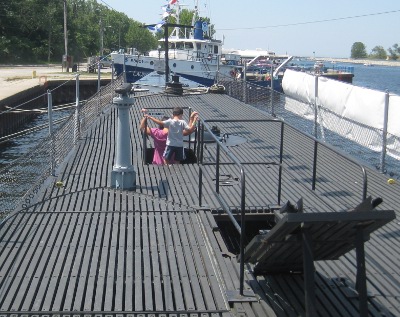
164	118
177	111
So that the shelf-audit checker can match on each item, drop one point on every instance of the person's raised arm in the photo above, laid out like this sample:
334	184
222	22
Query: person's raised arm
143	125
159	122
192	123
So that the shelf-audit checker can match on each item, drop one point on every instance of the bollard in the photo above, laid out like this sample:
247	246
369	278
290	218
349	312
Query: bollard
123	175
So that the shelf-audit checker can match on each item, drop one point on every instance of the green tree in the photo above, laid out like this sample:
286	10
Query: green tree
33	30
394	51
378	52
358	50
140	37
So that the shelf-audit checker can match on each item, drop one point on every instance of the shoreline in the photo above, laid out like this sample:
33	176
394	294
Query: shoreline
370	62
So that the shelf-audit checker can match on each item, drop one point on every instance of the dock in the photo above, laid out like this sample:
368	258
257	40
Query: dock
78	247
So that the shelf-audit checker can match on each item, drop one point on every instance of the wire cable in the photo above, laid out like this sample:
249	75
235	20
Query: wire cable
311	22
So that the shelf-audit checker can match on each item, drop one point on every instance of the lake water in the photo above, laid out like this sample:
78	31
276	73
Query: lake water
372	77
378	77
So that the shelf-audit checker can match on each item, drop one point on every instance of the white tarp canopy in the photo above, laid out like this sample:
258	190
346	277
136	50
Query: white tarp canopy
363	105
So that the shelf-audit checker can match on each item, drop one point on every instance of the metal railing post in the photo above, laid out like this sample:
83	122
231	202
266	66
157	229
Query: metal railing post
217	168
272	92
280	163
124	70
384	132
315	107
145	142
98	77
52	146
112	72
243	228
77	130
245	85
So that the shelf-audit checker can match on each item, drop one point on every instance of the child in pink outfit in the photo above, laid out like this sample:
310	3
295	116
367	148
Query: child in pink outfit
177	128
159	136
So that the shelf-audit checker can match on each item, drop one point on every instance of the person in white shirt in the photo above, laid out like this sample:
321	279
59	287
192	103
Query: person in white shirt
176	126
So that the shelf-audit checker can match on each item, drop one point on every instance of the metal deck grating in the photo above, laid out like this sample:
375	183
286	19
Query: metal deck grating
155	261
174	189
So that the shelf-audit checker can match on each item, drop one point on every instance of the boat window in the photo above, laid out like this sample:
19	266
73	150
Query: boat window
215	49
198	46
189	45
179	45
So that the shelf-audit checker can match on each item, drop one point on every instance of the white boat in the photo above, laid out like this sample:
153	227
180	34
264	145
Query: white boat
195	56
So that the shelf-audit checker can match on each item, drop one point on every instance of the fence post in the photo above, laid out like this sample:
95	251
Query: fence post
52	145
384	132
217	72
77	128
112	72
244	91
272	91
98	76
124	70
315	106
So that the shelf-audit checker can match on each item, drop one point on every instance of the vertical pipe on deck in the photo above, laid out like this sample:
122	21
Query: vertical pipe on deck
242	229
280	163
124	70
217	73
98	76
52	147
166	54
77	129
272	91
245	85
217	168
315	158
112	72
200	160
98	88
315	107
245	99
144	135
384	132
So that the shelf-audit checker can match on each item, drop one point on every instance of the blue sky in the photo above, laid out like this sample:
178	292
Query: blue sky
287	27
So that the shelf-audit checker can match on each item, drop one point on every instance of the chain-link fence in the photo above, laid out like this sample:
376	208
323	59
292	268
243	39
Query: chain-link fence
21	179
366	143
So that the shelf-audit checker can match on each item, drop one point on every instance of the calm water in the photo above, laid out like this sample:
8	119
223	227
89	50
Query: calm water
378	78
372	77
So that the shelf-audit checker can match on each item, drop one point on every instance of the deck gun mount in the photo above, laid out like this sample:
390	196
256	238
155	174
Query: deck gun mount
123	175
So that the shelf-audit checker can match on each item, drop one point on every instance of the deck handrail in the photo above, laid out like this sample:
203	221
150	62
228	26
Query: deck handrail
338	152
241	228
